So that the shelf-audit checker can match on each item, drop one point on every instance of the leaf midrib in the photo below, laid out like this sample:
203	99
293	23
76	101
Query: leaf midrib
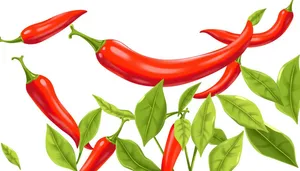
56	143
276	147
132	159
204	118
291	94
271	92
89	125
258	123
231	147
151	113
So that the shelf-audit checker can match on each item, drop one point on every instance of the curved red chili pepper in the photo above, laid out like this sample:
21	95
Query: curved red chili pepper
171	152
43	30
231	73
101	153
136	68
282	23
41	91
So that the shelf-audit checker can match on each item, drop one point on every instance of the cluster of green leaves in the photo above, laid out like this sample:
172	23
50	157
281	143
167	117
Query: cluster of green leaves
151	113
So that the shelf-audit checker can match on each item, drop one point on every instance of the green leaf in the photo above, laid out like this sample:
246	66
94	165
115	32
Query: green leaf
150	113
273	144
256	16
242	111
11	155
203	125
218	137
131	156
187	97
182	131
60	150
89	126
226	156
261	84
289	86
113	110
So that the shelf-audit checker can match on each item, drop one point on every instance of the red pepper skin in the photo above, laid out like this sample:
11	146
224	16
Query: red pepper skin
230	75
171	152
136	68
42	92
282	23
43	30
101	153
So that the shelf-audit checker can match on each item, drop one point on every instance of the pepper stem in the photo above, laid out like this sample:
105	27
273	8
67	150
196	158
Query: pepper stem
113	138
16	40
96	44
239	60
30	76
290	7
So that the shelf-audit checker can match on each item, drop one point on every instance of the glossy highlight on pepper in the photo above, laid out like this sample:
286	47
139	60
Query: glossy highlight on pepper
171	151
231	73
282	23
42	92
43	30
139	69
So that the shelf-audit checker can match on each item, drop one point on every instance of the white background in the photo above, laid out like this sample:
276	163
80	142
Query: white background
162	29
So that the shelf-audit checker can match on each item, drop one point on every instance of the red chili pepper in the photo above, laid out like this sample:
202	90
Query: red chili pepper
41	91
171	152
284	20
231	73
43	30
101	153
104	148
136	68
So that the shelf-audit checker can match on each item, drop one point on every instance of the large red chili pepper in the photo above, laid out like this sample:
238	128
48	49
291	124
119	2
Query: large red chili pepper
231	73
104	148
143	70
43	30
284	20
41	91
171	152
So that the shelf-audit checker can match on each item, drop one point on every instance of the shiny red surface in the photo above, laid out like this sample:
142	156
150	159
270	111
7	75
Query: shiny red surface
143	70
282	23
100	154
41	31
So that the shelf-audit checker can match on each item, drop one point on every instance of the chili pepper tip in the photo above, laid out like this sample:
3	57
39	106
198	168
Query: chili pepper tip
290	7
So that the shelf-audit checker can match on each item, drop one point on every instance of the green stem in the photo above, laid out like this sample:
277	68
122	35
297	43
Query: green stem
16	40
174	113
159	146
290	7
239	60
187	158
96	44
113	138
30	76
194	158
79	157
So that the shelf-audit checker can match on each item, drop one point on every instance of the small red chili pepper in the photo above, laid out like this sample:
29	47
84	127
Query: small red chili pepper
103	150
43	30
101	153
136	68
282	23
41	91
231	73
171	152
